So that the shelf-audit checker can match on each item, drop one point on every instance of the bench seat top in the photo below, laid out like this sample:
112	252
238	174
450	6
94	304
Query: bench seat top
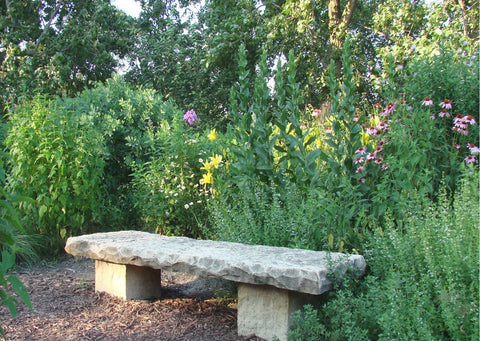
298	270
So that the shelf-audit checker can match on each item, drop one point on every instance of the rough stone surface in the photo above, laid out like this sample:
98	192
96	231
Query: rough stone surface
266	311
292	269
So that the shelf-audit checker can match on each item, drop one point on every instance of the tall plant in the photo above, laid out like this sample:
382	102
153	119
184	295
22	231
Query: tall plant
271	145
11	231
422	282
56	161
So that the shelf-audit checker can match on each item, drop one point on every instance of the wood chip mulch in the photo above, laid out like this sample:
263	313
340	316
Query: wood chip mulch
66	307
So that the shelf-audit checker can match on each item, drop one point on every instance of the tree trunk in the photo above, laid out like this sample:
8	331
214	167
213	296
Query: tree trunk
338	26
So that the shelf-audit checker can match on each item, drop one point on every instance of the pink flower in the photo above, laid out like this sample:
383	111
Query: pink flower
377	105
460	122
328	131
469	119
385	166
362	180
303	126
190	116
316	113
460	130
370	157
444	113
361	150
382	126
382	142
473	149
446	104
388	110
470	159
378	149
358	160
432	117
359	169
379	161
427	101
456	145
372	131
356	118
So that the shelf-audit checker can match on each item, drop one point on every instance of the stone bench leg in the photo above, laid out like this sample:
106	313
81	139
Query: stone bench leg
265	310
129	282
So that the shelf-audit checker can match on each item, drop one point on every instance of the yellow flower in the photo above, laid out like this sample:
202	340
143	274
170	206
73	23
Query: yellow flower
207	166
216	160
206	179
365	138
213	135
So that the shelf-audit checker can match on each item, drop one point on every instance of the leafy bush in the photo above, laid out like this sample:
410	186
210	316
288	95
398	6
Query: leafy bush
267	195
270	145
127	119
11	232
258	213
422	282
373	156
56	161
171	190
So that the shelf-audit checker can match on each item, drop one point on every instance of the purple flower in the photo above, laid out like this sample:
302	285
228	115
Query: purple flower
427	101
446	104
444	113
470	159
190	116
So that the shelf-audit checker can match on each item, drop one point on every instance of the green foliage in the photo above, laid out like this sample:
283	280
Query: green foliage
53	47
345	204
167	190
452	75
56	161
422	281
6	298
268	195
306	325
412	30
270	145
259	213
345	137
11	232
128	119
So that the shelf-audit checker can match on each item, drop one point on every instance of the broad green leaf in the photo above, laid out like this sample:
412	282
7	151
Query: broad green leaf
6	238
8	260
20	289
11	305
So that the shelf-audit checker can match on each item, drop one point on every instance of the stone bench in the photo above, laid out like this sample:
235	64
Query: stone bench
273	281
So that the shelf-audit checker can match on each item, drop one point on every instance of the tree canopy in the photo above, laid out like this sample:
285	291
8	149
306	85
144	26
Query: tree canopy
59	47
187	49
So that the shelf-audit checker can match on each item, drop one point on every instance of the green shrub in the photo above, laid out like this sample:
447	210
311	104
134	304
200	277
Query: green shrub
270	144
11	242
58	162
423	278
168	190
128	120
257	213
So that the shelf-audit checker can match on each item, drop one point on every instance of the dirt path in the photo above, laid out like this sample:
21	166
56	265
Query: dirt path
66	307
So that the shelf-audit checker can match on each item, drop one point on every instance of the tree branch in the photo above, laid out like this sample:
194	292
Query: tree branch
348	11
47	26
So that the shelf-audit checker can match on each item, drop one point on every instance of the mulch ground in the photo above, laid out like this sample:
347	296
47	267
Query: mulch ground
66	307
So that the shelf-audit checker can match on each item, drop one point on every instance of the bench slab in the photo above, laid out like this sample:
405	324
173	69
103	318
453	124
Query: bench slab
285	268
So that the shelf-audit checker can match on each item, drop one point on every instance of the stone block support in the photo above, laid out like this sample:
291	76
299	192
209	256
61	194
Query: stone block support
129	282
265	310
